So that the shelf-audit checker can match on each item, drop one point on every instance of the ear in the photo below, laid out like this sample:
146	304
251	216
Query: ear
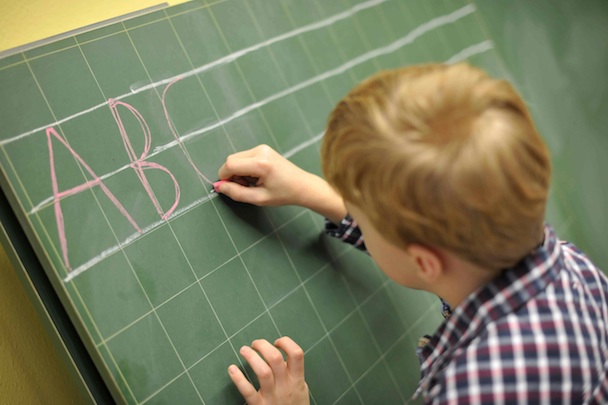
429	263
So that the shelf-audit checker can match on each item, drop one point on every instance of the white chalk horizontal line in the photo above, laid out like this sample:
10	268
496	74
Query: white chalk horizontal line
470	51
224	60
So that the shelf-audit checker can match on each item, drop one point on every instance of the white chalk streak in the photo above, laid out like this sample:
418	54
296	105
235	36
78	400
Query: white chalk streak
303	146
470	51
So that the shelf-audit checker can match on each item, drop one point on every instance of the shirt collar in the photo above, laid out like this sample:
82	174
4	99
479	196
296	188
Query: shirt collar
503	295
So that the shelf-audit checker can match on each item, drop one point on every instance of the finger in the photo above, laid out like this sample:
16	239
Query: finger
261	369
248	166
295	355
247	390
246	194
273	357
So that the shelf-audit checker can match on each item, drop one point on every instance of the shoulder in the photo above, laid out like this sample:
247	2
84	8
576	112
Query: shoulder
580	265
531	356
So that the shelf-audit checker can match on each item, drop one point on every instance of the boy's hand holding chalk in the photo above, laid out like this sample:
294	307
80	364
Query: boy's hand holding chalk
261	176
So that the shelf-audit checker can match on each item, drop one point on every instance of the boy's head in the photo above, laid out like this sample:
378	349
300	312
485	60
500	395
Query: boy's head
443	156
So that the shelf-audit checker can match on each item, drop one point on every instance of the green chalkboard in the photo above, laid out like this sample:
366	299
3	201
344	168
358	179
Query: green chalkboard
109	141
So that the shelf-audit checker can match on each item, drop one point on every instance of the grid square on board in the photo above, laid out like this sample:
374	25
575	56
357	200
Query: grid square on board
261	328
187	105
339	85
160	264
207	245
304	244
95	137
295	63
286	122
315	104
323	366
211	379
112	295
115	64
236	24
82	220
373	28
377	386
191	324
407	302
382	318
175	180
307	154
246	224
180	391
303	13
332	8
199	36
207	149
362	276
280	216
31	177
159	49
260	73
270	269
224	85
296	316
334	307
325	54
348	39
144	370
130	209
269	18
365	69
248	131
66	81
350	397
236	303
354	345
26	109
462	34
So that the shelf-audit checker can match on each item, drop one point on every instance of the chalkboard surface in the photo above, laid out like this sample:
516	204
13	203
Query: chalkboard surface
108	146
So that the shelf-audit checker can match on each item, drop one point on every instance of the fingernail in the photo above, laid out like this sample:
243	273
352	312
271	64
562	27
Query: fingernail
232	369
218	186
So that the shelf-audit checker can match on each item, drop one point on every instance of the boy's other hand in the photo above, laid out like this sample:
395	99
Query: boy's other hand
281	382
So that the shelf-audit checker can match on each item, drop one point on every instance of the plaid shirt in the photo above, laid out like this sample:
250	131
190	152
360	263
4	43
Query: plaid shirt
537	334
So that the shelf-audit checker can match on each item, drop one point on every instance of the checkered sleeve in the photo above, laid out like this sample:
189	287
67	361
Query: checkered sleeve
347	230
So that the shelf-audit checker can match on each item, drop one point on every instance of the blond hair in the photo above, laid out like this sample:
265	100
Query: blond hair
444	156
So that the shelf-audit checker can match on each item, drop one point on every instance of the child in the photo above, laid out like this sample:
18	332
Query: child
442	170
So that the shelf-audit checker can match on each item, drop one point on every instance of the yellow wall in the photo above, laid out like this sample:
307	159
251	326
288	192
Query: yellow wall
31	369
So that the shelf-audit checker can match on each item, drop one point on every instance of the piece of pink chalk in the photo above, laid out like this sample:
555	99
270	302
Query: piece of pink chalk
217	184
